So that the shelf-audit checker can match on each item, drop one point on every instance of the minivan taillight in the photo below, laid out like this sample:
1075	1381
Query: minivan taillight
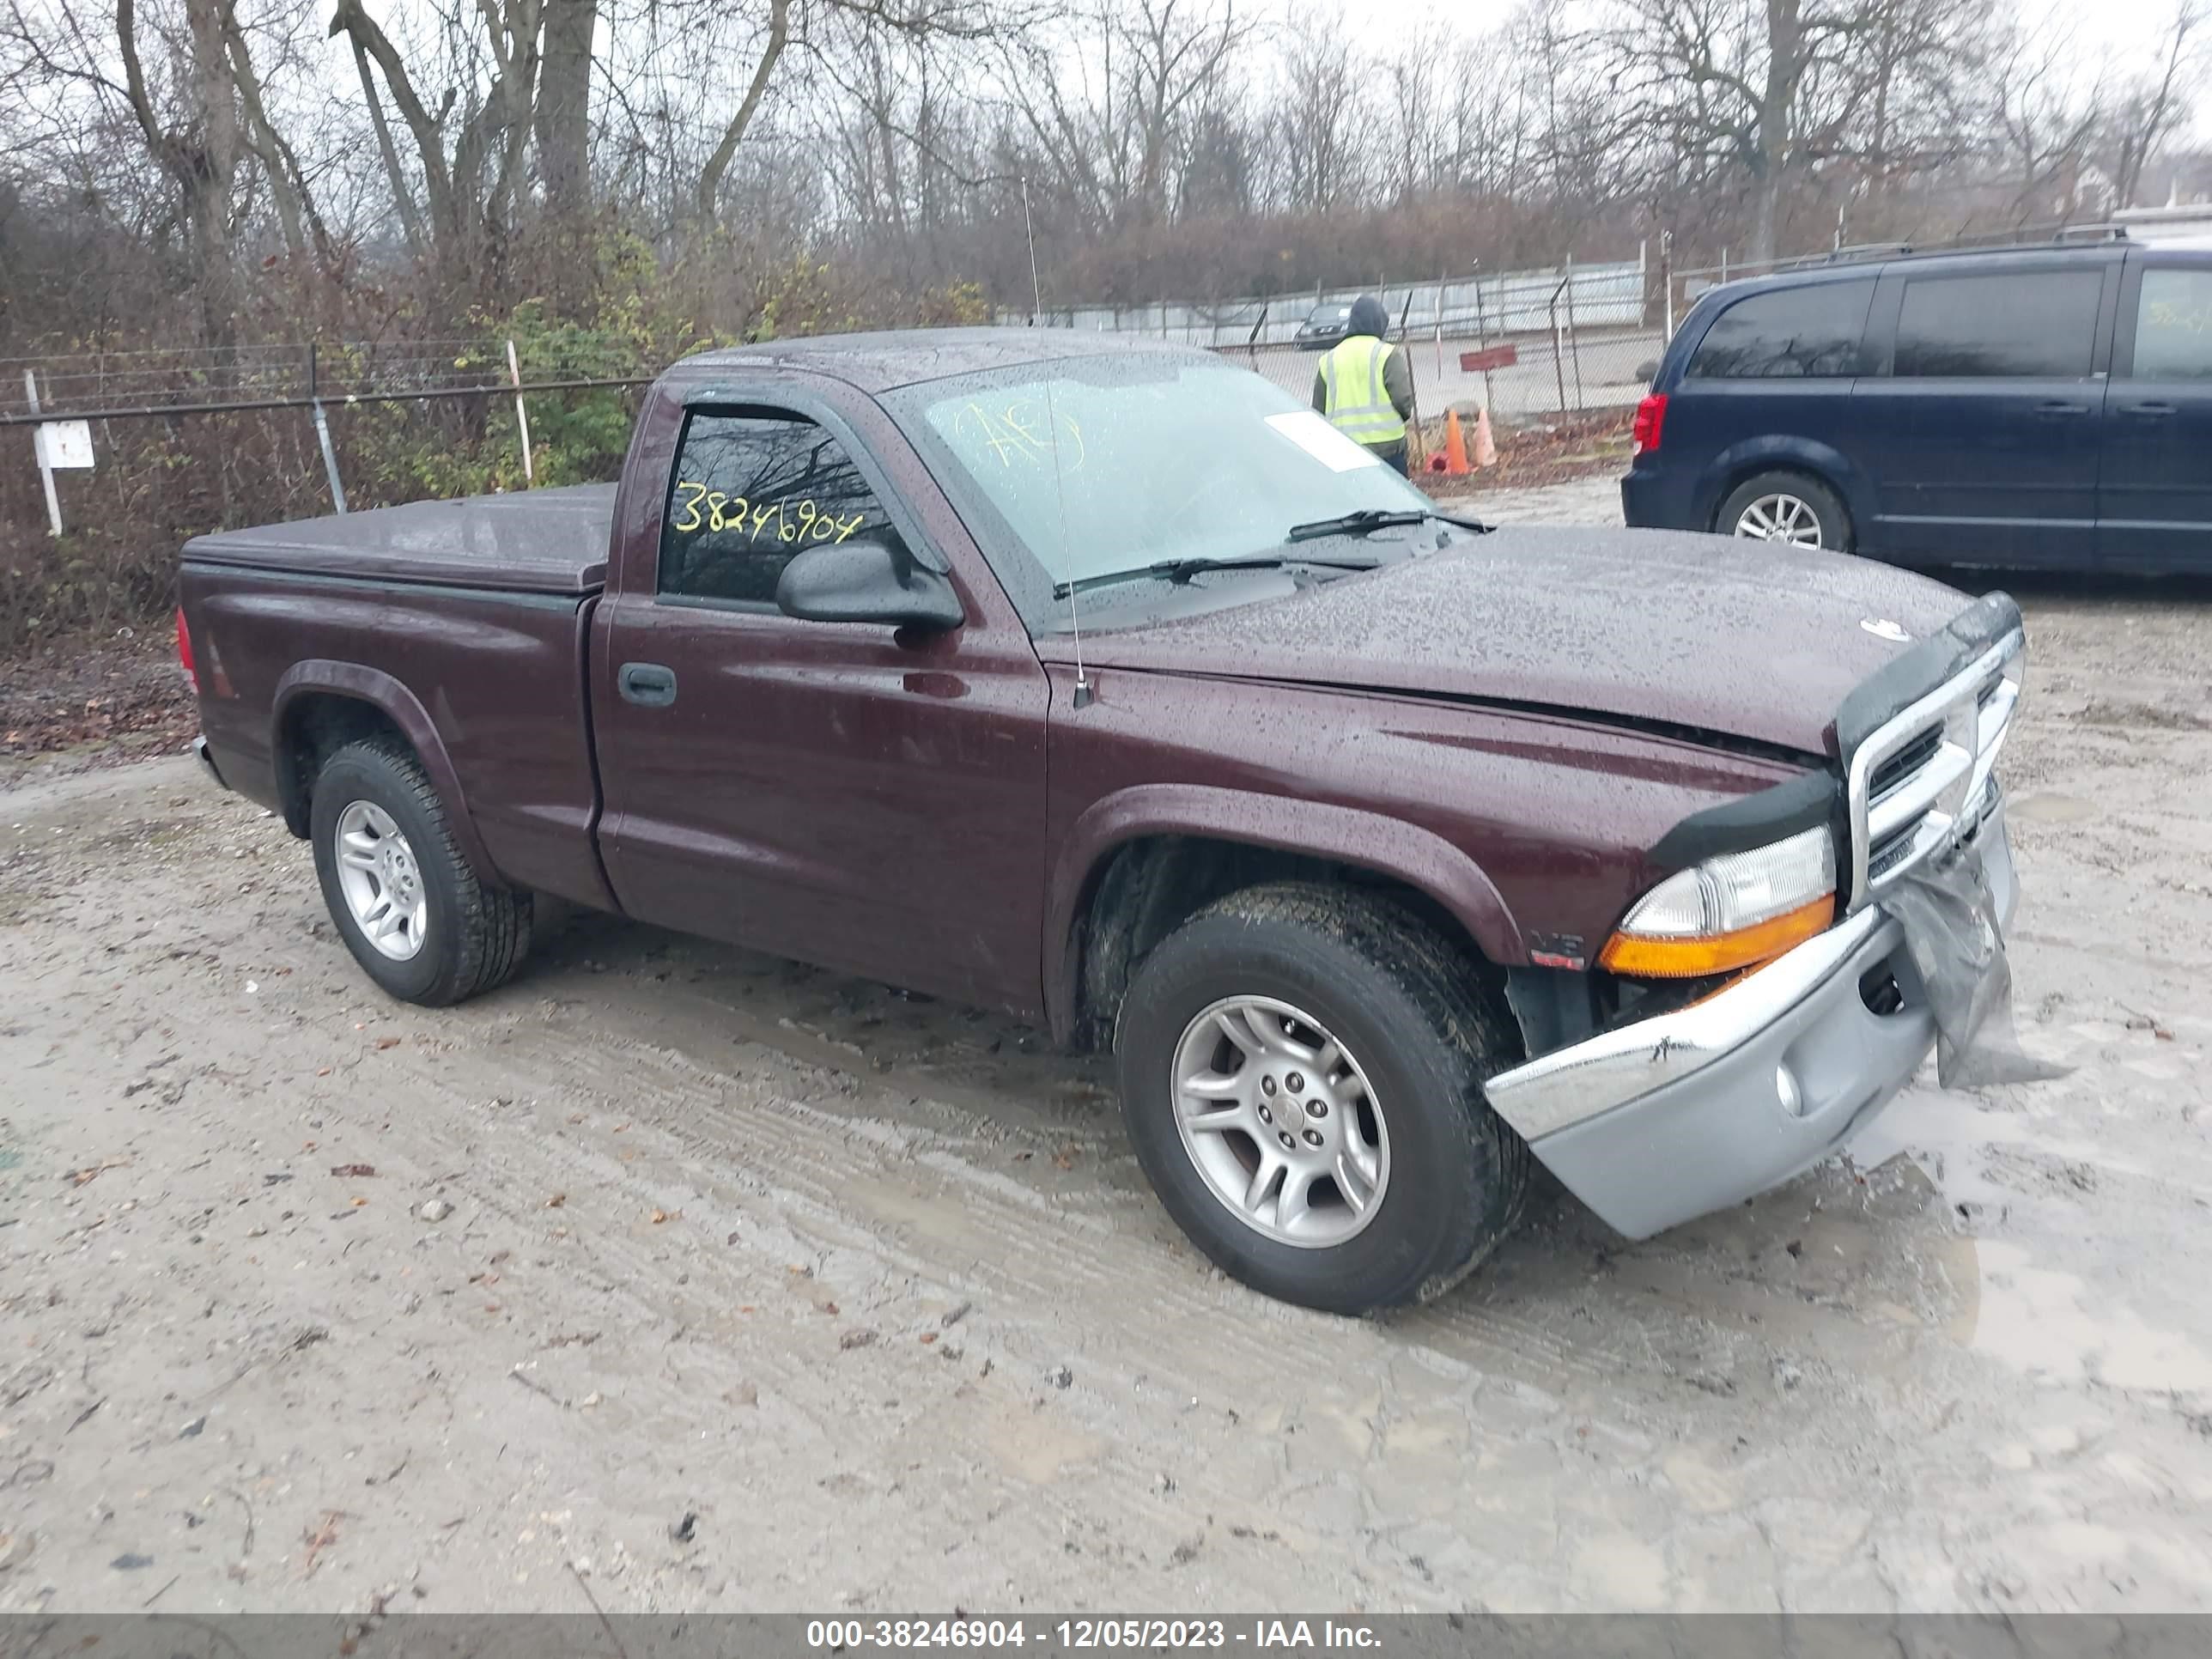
184	651
1651	420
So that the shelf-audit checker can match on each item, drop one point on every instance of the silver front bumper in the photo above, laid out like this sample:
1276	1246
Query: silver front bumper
1675	1117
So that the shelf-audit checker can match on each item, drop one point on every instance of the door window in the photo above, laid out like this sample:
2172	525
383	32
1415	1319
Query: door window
751	490
2173	325
2037	325
1793	333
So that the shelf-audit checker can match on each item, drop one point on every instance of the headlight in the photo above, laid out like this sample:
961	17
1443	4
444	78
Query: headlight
1729	912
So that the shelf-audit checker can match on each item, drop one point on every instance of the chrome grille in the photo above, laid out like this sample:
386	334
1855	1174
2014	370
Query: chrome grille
1907	762
1924	777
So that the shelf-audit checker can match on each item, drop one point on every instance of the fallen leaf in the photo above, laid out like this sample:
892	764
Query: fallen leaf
557	1200
353	1169
320	1537
659	1216
928	1337
387	1043
358	1203
326	1071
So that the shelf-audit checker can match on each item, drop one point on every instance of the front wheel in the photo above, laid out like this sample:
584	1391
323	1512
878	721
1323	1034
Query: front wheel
1793	508
1301	1069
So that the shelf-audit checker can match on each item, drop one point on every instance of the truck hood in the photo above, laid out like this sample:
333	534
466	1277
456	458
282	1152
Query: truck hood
1706	634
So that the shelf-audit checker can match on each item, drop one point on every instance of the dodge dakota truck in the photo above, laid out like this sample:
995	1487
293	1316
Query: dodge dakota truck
1105	684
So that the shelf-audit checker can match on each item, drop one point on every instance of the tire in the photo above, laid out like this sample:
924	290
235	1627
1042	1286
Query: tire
469	936
1412	1020
1786	499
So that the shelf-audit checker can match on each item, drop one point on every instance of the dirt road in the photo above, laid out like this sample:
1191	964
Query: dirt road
749	1287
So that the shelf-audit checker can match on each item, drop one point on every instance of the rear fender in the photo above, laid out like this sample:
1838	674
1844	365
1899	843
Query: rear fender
1776	451
380	691
1367	840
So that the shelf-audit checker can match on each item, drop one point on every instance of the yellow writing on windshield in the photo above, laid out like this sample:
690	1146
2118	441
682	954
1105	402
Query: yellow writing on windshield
699	507
1018	431
2164	313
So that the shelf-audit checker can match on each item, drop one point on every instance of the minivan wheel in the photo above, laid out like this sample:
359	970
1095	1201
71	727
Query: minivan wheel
1786	507
414	912
1301	1069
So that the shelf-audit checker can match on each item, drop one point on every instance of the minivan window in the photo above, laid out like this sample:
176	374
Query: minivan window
2173	325
1801	332
2024	325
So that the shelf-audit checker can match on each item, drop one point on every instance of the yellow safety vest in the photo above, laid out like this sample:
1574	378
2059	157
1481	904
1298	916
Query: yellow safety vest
1352	381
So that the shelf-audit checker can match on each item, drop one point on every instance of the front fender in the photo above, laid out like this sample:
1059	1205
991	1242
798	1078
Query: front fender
1369	841
1824	461
396	704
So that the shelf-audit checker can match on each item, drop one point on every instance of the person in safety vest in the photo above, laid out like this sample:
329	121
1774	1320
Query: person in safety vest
1366	384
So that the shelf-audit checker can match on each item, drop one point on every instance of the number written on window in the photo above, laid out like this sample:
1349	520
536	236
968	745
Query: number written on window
699	507
750	492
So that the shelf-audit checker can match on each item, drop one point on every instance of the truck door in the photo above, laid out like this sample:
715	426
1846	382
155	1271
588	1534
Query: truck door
2156	497
1982	424
865	799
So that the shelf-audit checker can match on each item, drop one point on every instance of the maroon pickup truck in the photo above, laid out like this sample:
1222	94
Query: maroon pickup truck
1107	685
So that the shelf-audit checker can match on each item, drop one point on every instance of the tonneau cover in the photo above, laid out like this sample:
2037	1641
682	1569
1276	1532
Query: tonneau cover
536	541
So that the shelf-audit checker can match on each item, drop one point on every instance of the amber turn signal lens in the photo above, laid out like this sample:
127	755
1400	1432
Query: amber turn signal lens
1717	953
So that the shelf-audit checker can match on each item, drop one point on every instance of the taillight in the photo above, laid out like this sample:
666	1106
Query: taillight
184	651
1651	420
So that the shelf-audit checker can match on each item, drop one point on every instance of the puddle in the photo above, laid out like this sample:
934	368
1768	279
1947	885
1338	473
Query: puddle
2047	808
2052	1326
2041	1322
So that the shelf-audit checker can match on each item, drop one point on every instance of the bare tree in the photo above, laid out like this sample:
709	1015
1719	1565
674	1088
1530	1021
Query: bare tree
1110	105
2152	109
2043	124
470	153
1760	89
1316	135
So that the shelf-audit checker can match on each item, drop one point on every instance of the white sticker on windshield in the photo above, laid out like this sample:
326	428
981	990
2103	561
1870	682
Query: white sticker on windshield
1323	441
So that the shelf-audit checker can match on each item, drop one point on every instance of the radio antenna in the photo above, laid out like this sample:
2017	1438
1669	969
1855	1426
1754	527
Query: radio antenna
1052	425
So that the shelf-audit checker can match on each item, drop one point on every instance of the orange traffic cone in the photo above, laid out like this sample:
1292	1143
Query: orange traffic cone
1455	447
1486	447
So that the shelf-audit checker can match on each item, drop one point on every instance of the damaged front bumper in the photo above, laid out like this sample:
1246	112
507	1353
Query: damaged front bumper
1673	1117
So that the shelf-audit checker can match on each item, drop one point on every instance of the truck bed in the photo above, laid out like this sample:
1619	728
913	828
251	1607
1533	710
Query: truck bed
542	541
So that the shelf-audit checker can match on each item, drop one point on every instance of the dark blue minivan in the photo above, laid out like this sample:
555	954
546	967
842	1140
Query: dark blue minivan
2047	406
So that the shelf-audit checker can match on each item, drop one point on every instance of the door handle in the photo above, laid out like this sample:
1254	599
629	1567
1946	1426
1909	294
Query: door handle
647	683
2056	408
2154	411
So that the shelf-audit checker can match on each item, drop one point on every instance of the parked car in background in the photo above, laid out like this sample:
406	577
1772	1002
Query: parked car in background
1324	327
2046	405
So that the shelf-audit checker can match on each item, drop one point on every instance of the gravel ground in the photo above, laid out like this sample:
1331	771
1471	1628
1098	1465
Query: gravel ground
678	1278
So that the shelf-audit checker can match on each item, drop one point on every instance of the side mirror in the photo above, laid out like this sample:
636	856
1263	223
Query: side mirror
865	582
1647	370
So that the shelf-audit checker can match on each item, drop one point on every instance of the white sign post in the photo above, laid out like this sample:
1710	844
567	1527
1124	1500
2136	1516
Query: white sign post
52	455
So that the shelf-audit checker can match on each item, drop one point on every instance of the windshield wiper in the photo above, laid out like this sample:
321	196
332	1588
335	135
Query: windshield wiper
1181	570
1359	523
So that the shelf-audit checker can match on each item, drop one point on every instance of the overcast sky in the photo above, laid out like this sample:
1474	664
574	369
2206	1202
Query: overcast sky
2129	32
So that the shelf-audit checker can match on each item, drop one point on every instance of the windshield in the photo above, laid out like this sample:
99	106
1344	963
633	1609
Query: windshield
1329	314
1072	470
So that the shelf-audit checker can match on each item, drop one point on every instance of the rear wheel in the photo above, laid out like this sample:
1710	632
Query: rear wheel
1301	1068
413	912
1794	507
